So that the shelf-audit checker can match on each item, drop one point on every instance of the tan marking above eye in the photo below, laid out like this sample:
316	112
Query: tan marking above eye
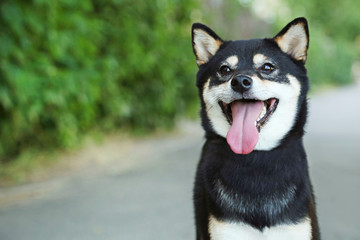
259	59
232	61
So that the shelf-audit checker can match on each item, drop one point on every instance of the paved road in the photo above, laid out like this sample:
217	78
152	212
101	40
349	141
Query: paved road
152	199
333	146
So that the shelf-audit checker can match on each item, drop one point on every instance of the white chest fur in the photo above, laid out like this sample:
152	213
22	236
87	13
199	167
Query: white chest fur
240	231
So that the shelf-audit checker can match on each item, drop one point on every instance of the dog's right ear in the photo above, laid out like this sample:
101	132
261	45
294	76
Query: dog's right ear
294	39
205	43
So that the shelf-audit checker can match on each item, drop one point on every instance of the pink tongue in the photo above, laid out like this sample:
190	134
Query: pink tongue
243	135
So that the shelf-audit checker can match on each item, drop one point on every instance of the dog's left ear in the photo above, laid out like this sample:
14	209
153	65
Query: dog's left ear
294	39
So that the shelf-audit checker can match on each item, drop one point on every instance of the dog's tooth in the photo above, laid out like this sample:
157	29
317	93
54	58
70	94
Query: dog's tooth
262	114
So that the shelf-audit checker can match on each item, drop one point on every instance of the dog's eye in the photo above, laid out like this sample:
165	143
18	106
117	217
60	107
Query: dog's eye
267	68
224	70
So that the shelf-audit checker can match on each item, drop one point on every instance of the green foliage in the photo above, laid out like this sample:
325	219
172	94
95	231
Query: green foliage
70	66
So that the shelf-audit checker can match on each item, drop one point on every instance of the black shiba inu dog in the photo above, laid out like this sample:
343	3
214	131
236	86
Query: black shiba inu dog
252	181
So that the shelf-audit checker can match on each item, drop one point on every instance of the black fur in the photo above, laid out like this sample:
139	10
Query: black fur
258	182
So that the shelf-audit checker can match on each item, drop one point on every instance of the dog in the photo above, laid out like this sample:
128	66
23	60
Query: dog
252	181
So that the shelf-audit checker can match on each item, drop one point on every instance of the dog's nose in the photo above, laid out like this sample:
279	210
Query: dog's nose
241	83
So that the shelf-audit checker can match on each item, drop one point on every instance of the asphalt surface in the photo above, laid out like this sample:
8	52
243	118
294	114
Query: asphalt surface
152	199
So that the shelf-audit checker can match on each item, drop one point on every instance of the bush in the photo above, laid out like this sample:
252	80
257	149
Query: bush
70	66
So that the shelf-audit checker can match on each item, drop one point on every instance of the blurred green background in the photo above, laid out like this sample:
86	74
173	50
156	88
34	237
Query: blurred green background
69	67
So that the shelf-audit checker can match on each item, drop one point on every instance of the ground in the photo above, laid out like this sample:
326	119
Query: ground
141	188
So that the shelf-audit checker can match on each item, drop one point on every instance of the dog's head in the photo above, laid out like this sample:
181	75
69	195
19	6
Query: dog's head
253	92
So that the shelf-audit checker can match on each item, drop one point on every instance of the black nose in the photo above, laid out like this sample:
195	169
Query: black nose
241	83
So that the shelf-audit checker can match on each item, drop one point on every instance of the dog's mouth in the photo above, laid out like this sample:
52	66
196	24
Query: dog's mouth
247	118
268	109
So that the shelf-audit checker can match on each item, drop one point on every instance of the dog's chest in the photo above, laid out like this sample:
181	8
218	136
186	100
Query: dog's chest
220	230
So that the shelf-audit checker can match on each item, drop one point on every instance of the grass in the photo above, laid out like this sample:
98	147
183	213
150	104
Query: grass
34	164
